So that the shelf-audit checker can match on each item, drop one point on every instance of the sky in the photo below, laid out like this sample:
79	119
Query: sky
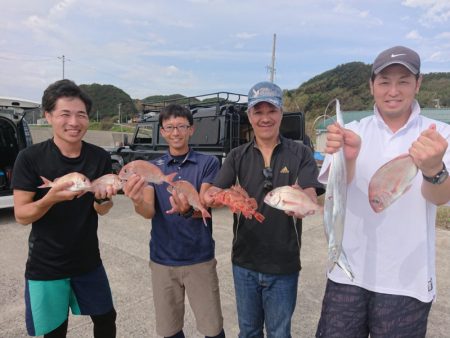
194	47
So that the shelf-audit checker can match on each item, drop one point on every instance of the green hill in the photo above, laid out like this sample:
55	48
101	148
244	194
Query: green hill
106	100
350	84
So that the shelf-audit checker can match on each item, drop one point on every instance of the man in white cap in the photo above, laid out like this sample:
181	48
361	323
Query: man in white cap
266	256
391	253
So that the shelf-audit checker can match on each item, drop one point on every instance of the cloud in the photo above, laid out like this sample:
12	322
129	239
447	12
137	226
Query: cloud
436	11
171	70
245	35
414	35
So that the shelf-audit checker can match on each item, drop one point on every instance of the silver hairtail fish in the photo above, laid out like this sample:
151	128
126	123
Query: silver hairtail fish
335	207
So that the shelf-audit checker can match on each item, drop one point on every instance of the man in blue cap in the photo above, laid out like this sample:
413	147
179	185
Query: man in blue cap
266	256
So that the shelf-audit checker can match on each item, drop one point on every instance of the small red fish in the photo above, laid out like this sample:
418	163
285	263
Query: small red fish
238	200
100	184
188	190
80	182
150	172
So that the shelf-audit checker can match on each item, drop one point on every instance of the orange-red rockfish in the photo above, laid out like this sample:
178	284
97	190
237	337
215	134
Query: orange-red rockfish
238	200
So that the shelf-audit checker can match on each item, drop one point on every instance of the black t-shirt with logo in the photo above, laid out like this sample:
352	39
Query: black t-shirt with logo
63	243
272	246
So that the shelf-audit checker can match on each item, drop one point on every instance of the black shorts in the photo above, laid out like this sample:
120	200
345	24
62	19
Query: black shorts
350	311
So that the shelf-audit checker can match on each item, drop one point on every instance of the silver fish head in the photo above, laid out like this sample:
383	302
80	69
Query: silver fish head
272	198
380	200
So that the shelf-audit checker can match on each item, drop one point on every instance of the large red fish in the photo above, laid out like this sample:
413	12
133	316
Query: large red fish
391	181
80	182
150	172
238	200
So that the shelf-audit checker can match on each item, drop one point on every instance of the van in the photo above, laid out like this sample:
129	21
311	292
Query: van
15	135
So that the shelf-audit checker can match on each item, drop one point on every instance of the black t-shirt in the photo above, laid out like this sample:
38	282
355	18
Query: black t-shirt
63	243
272	246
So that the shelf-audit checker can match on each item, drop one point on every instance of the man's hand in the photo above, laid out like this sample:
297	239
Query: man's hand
134	188
59	193
338	137
179	203
208	197
428	151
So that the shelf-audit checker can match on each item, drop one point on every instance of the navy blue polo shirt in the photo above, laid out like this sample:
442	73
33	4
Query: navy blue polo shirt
176	240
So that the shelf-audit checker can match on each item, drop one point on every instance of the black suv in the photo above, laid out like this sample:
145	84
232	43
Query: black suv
14	136
220	121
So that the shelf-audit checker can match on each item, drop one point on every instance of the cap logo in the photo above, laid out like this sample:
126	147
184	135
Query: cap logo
263	92
395	55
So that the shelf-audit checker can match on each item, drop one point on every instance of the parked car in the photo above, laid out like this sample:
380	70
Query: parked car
220	121
14	136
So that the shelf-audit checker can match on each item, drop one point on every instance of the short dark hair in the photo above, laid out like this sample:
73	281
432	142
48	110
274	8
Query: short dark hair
372	78
175	110
64	88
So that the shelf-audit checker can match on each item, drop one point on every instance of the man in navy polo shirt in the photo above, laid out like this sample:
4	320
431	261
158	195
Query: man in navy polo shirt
181	247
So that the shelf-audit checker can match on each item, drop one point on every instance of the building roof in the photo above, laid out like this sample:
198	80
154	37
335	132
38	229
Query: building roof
439	114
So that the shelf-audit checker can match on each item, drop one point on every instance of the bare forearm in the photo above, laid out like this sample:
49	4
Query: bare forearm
31	212
145	209
103	208
437	194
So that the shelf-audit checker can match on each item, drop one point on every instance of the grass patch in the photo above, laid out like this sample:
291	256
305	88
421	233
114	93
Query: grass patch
443	217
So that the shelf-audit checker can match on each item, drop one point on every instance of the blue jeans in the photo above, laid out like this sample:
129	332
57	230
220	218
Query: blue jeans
264	298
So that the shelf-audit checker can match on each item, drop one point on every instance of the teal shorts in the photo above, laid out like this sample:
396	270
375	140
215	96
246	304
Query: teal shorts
47	303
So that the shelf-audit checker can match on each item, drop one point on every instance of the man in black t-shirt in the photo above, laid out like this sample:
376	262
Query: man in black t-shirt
64	269
266	256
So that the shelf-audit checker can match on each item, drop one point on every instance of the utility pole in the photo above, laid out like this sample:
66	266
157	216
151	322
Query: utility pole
272	66
120	121
63	59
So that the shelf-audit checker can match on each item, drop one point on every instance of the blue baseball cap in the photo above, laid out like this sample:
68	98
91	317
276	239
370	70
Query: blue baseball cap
265	92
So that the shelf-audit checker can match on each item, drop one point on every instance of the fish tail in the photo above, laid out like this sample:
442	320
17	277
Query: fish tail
343	264
169	178
205	214
259	217
47	182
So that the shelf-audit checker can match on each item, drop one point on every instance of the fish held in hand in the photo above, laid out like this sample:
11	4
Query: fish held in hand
335	207
288	198
100	184
150	172
80	182
391	181
188	190
238	200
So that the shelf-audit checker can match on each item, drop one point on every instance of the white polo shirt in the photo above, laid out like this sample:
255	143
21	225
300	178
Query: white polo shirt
393	251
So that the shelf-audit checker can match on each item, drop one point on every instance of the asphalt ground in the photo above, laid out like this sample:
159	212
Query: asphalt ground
124	240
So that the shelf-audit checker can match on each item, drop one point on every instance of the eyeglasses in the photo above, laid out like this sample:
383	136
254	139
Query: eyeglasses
268	174
181	128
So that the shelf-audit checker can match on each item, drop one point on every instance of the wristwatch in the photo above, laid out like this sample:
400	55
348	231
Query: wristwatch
439	178
188	213
102	200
